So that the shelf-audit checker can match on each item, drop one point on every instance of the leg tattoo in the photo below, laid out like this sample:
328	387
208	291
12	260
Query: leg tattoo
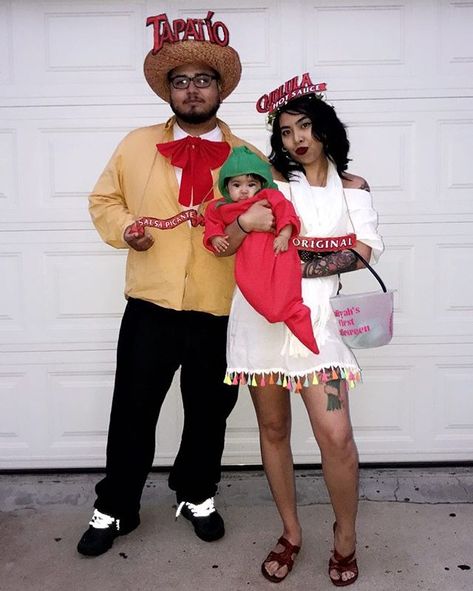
333	390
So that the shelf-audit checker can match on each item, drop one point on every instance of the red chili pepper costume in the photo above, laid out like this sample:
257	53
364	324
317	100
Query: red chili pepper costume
270	283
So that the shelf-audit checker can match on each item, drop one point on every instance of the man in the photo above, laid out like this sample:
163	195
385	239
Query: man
178	293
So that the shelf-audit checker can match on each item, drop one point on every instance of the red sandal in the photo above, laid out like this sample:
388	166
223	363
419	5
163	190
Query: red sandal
342	564
283	558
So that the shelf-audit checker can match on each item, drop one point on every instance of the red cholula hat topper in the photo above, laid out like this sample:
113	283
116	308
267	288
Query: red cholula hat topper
185	41
291	89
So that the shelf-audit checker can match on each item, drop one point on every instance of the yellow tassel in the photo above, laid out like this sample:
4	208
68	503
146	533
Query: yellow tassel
284	382
253	381
227	379
315	380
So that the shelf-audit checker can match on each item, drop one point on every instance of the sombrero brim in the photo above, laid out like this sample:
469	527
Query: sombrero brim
223	60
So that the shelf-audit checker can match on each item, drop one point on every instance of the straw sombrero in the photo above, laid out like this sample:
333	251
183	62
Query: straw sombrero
224	60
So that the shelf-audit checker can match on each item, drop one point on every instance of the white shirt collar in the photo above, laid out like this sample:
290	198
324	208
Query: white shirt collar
215	135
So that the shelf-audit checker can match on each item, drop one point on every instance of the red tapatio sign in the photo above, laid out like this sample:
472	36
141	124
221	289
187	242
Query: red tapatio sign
197	29
291	89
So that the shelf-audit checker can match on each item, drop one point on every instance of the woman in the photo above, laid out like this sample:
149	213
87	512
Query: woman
310	153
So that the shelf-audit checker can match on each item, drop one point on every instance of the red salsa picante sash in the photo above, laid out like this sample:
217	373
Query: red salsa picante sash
191	215
328	244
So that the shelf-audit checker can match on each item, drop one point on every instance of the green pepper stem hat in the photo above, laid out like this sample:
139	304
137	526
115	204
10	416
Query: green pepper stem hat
243	161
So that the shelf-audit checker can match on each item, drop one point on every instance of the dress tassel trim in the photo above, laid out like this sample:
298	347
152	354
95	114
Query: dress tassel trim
294	383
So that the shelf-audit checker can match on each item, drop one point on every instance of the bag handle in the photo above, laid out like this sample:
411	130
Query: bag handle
369	267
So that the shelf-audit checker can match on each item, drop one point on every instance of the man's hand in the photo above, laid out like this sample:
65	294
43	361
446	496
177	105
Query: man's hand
137	237
258	218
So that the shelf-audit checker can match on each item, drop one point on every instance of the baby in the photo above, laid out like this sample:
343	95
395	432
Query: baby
240	188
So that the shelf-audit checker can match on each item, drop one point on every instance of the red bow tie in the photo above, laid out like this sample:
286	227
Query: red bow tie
196	157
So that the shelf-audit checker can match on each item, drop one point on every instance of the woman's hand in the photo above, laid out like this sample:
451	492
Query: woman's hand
258	218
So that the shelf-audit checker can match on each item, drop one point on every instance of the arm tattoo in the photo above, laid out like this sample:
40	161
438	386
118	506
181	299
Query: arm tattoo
333	391
365	186
332	264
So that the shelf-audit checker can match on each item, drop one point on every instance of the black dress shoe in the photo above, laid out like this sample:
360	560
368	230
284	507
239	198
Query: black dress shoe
208	523
103	529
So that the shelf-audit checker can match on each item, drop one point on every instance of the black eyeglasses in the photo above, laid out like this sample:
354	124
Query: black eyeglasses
199	80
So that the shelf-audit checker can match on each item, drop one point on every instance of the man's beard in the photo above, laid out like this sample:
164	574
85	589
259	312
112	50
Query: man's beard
196	117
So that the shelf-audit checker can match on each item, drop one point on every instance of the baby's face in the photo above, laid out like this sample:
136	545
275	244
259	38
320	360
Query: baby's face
242	187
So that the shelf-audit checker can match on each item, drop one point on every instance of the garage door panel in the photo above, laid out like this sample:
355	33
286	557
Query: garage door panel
72	160
78	411
455	171
5	42
454	41
17	438
90	55
63	287
11	420
8	169
84	289
453	410
454	302
372	36
91	50
12	306
383	408
389	170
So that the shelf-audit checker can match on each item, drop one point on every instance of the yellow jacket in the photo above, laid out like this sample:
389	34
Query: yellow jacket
177	272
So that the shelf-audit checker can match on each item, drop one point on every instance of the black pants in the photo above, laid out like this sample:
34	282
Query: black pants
153	343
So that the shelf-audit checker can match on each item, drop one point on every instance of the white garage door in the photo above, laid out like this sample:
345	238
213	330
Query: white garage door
400	75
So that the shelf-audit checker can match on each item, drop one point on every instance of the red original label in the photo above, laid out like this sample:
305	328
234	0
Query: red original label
328	244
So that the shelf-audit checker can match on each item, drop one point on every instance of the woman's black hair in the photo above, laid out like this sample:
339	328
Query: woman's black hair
326	127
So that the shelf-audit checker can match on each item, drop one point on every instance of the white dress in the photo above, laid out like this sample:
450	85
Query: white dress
259	352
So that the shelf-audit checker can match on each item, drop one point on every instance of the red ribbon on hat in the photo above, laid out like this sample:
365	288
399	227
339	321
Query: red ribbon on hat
196	157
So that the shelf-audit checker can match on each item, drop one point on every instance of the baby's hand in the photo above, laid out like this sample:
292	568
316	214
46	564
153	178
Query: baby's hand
281	244
220	243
